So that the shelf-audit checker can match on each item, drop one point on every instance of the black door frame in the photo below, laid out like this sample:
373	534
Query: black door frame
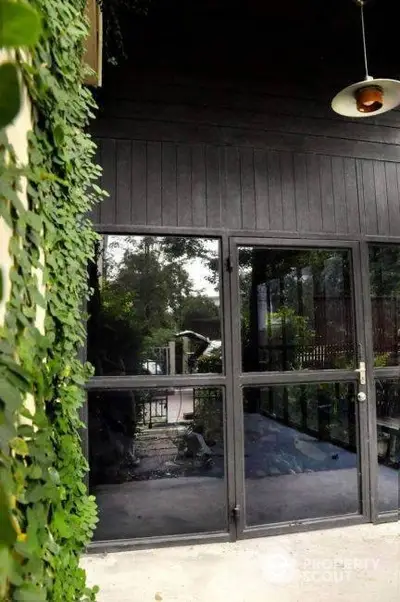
363	409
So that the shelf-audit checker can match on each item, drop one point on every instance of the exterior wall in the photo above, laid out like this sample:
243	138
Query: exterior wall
17	136
180	154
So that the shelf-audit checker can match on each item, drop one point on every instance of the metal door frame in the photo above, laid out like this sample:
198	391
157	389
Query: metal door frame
240	379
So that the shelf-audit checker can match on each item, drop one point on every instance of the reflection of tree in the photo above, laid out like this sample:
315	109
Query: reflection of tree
294	303
385	291
141	300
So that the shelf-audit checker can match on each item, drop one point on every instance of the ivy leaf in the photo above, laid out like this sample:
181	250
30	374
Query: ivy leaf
10	96
59	135
5	567
10	396
20	24
29	592
7	532
20	446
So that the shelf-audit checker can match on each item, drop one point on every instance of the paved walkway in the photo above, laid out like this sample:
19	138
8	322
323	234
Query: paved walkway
352	564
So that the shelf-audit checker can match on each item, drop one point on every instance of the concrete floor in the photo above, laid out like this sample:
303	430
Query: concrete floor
352	564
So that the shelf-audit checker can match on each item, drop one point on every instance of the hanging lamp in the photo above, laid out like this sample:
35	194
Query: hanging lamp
371	96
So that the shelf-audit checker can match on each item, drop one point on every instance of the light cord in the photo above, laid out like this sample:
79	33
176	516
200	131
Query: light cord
367	76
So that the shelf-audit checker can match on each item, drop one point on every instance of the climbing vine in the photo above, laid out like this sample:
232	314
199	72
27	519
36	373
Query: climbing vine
46	515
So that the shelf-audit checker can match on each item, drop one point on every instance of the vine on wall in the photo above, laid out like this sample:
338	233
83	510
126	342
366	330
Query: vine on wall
46	515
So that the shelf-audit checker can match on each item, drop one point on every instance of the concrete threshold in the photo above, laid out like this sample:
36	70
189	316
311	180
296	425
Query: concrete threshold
350	564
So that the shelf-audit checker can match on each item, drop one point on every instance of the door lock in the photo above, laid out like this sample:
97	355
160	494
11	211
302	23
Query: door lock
363	373
236	513
361	396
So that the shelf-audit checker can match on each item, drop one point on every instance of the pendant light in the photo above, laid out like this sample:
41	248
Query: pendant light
371	96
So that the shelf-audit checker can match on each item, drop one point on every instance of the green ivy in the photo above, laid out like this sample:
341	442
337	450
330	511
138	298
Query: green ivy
46	515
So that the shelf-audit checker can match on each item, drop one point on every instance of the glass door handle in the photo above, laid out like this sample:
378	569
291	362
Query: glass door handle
363	373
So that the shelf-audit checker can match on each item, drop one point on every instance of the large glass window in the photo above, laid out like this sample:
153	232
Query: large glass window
388	436
157	461
384	262
296	309
300	447
155	307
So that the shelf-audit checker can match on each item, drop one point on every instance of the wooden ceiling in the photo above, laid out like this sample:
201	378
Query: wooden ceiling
254	39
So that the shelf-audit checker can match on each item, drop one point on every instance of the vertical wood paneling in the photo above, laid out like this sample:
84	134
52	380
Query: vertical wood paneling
139	183
261	190
392	186
207	186
94	214
360	190
154	184
352	204
301	192
382	211
124	194
339	194
369	197
248	191
288	199
168	185
199	207
327	201
230	180
213	187
107	209
184	184
314	194
275	191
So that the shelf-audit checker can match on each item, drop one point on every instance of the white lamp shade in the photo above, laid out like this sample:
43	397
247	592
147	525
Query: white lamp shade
345	102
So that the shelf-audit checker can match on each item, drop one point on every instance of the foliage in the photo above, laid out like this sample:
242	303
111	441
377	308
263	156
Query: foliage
144	299
19	26
47	517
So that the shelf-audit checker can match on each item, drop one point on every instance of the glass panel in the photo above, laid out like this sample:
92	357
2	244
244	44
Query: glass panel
384	269
296	309
155	307
300	452
157	461
388	434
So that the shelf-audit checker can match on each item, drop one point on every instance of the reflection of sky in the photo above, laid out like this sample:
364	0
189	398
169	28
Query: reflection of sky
198	272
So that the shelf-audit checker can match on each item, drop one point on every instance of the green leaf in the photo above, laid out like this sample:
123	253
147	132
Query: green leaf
10	96
20	24
54	476
28	592
7	532
20	446
5	566
9	395
59	135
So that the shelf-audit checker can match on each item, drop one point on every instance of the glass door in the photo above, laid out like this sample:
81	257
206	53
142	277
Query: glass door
300	410
382	292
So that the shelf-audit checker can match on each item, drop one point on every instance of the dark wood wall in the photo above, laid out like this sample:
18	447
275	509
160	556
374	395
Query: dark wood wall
205	154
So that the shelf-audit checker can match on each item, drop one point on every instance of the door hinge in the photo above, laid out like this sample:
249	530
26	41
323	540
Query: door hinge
228	265
236	513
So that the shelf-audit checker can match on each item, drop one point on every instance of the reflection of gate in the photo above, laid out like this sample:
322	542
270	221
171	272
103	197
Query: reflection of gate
152	408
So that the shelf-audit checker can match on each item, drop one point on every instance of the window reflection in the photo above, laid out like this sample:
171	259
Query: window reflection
155	306
296	309
157	461
384	262
300	452
388	438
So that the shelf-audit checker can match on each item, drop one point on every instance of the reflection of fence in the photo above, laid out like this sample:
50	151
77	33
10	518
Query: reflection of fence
292	356
157	361
151	407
